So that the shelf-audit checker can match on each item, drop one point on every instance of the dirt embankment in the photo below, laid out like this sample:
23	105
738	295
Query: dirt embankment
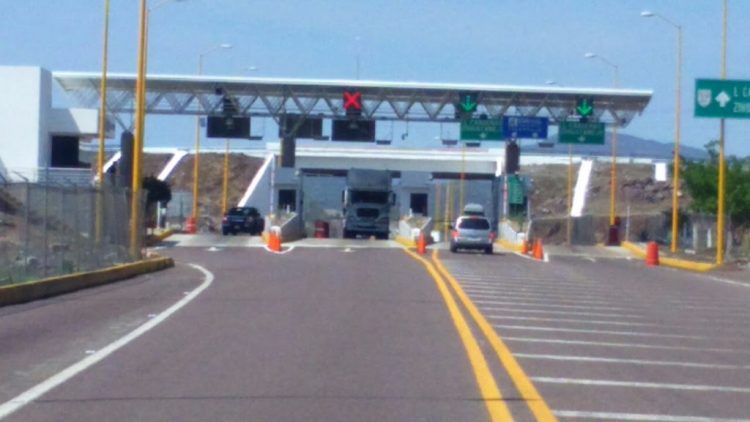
242	169
648	201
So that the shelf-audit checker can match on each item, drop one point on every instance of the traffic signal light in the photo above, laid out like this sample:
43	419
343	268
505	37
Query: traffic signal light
512	157
353	103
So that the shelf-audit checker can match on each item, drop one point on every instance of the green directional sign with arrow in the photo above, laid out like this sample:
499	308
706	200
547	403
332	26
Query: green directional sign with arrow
722	98
585	106
591	133
481	130
467	102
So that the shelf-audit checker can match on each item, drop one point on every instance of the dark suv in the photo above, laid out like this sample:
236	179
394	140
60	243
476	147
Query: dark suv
242	219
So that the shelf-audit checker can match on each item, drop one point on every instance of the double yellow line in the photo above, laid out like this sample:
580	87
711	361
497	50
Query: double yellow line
488	387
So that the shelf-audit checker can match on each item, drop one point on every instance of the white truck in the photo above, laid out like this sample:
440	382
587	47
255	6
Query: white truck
367	203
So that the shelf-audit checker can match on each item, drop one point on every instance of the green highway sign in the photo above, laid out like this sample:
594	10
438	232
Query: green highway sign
722	98
481	130
585	106
591	133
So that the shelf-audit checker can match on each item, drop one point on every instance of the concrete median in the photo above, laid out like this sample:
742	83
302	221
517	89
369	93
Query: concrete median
54	286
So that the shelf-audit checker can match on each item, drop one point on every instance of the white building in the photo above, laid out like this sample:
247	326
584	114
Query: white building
39	142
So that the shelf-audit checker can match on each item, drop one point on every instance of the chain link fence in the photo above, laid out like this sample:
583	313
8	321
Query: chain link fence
48	230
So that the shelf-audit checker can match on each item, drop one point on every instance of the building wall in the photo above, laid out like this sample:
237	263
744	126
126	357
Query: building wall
24	143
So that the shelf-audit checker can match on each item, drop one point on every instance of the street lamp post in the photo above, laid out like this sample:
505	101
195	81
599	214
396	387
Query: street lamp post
722	164
677	130
192	224
135	200
613	176
102	127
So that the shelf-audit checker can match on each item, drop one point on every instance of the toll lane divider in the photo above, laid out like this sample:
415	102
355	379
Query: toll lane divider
526	388
156	238
518	248
34	290
488	388
406	242
681	264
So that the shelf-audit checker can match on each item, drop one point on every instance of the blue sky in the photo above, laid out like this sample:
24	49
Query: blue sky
489	41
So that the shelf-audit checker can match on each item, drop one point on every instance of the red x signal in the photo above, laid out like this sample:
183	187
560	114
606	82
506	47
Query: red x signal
352	100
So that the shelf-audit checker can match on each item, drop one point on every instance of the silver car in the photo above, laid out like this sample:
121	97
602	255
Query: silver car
472	232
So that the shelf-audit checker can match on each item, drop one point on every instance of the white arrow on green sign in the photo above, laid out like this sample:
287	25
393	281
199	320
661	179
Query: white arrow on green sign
482	130
590	133
721	98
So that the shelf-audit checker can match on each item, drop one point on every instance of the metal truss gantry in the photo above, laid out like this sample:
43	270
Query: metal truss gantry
404	101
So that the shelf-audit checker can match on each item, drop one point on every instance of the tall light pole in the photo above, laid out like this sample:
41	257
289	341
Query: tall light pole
135	200
677	130
722	164
194	213
613	176
102	127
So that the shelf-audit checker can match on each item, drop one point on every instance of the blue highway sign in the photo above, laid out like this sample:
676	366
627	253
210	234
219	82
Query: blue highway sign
525	127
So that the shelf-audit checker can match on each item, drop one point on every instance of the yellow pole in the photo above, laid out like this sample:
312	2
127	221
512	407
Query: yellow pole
102	127
436	213
677	124
570	195
448	197
196	156
613	177
463	177
135	200
722	164
225	185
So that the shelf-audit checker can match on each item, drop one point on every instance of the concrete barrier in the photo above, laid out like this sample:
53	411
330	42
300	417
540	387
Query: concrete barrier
54	286
156	238
681	264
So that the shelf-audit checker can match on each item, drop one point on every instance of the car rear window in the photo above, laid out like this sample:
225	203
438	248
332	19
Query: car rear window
238	211
474	224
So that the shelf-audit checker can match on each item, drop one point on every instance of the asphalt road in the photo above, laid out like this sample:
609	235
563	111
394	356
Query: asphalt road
608	339
316	334
340	331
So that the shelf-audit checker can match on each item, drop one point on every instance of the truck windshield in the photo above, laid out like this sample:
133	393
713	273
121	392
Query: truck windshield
370	197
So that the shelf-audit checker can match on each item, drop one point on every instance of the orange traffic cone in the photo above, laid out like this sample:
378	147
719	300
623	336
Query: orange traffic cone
421	244
525	247
538	250
652	254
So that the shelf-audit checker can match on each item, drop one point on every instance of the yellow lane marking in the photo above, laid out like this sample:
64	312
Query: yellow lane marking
534	400
488	387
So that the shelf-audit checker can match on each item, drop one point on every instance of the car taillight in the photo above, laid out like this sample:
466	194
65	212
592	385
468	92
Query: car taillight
224	219
454	234
492	237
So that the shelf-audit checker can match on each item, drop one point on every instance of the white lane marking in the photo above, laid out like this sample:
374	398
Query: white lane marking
531	289
615	344
732	282
45	386
649	385
575	321
553	299
608	332
507	285
283	251
547	304
569	358
638	417
547	312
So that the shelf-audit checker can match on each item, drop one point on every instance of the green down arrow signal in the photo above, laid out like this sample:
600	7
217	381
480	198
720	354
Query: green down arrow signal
468	105
585	109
